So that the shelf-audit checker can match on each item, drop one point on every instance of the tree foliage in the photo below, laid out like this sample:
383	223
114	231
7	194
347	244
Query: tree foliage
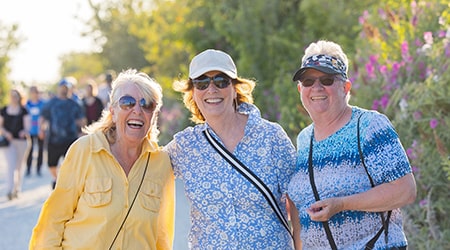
9	41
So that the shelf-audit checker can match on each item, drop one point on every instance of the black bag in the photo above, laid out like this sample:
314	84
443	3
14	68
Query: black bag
3	141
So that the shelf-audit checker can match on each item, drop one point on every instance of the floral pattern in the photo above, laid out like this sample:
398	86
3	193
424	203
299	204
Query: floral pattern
227	211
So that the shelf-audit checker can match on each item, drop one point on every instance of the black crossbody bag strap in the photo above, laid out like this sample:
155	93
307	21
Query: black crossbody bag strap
251	177
384	222
316	194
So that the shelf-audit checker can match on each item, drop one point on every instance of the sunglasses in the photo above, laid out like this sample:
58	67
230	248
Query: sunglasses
220	81
127	102
324	80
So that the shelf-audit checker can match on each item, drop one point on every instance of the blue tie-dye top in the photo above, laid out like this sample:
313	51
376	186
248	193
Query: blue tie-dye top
227	211
338	172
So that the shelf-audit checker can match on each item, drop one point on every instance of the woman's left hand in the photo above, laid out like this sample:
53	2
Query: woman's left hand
23	134
323	210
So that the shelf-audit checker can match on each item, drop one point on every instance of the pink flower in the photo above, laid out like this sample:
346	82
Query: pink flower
423	203
383	69
411	154
370	70
384	101
433	123
417	115
375	104
428	37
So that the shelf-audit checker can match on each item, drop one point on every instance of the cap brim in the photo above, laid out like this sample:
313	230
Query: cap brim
300	71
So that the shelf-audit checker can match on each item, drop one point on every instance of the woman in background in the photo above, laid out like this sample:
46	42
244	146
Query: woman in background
14	125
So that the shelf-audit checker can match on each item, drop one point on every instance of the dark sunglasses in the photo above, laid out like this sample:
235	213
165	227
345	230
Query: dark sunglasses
127	102
220	81
324	80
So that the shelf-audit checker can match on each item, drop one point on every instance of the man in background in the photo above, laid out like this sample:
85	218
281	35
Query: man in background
61	120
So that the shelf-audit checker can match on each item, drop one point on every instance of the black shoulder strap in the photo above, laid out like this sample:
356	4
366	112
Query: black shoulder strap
385	222
316	194
251	177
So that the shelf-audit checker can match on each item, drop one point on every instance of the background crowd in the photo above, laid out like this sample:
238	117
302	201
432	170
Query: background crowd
36	122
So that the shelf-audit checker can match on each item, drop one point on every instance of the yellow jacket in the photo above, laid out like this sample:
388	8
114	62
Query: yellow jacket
92	197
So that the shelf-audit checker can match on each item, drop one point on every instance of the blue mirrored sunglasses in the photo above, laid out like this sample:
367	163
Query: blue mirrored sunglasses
127	102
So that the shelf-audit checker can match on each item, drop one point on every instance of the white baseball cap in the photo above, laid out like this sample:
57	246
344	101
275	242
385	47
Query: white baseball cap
210	60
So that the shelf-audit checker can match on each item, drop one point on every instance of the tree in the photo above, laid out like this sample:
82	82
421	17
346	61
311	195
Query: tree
9	41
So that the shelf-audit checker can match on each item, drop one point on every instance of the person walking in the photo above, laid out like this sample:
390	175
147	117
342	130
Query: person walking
93	106
60	122
104	89
14	126
34	105
115	188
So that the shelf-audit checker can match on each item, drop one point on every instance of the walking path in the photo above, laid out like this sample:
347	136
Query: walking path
18	217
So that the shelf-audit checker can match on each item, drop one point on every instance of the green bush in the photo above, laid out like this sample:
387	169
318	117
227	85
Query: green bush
403	70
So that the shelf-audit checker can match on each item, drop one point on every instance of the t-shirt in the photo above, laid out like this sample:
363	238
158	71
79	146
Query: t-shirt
338	171
62	115
13	123
34	109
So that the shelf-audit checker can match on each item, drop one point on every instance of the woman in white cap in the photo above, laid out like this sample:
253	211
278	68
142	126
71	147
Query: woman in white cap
351	167
231	207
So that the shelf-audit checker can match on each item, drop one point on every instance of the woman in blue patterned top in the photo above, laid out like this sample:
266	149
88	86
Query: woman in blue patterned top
349	211
227	211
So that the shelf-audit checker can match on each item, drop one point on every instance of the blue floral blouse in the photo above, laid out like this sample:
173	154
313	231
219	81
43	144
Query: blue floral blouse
338	171
227	211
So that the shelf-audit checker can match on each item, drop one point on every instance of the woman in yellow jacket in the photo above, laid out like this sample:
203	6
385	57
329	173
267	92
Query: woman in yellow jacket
115	188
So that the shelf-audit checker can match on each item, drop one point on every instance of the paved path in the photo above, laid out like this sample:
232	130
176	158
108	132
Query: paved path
18	217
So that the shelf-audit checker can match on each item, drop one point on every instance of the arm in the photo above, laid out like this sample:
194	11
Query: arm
295	222
384	197
59	208
26	126
167	213
3	131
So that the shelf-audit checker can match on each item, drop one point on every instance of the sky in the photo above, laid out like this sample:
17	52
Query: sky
49	29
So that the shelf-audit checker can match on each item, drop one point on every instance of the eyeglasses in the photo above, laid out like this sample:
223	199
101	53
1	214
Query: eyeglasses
127	102
220	81
324	80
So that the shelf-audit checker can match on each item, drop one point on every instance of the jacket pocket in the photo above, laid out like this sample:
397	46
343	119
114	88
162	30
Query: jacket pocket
98	191
151	195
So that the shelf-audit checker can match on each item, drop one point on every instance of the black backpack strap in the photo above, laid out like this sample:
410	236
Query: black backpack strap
384	222
316	194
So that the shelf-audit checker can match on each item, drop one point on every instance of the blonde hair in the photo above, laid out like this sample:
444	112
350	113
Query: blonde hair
151	91
323	47
244	88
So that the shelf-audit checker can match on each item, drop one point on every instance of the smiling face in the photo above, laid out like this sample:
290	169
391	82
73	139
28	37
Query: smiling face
132	123
214	102
319	99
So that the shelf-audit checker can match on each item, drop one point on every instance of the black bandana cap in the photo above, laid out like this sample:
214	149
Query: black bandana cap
324	63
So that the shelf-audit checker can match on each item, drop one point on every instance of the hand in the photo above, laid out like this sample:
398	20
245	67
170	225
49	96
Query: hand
41	134
23	134
323	210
